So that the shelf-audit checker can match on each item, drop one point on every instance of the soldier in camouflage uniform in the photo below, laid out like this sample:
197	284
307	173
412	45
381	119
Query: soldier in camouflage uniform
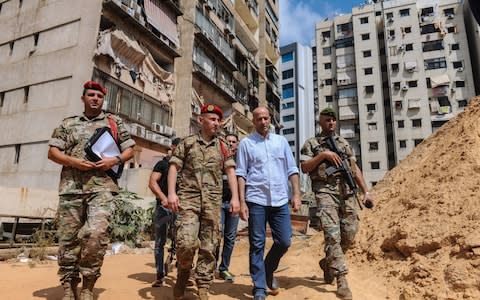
202	159
86	192
336	204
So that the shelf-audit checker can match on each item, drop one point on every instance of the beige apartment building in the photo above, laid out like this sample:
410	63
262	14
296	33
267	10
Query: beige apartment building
160	60
395	71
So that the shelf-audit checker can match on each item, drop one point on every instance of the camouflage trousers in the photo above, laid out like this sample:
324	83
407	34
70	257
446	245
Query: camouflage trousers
83	222
198	229
339	221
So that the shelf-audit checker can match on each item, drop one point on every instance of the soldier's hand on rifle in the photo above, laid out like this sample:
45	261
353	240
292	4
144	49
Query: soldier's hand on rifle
333	158
367	200
173	202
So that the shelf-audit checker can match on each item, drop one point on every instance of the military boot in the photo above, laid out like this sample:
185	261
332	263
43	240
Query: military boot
327	273
343	291
203	293
70	289
87	288
181	284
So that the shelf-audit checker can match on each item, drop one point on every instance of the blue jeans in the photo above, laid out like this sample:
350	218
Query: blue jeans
161	218
229	232
278	219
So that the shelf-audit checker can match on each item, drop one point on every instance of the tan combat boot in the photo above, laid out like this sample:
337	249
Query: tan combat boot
87	288
343	291
70	289
203	293
181	284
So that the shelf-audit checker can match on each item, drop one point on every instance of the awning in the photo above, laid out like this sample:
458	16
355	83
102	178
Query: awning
414	103
124	50
348	112
163	19
410	65
440	80
347	131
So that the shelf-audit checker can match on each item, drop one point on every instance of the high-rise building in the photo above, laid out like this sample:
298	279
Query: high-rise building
395	71
160	60
296	110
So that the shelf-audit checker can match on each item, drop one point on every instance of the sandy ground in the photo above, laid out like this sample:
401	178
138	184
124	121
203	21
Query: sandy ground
128	276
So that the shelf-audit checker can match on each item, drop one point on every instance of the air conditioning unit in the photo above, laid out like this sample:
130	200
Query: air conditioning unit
452	91
450	17
196	109
149	135
168	131
390	20
404	88
401	47
324	39
460	69
156	127
371	112
209	5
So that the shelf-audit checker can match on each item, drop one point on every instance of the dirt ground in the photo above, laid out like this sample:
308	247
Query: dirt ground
128	276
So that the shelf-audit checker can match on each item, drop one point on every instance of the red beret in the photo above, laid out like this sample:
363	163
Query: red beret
92	85
212	109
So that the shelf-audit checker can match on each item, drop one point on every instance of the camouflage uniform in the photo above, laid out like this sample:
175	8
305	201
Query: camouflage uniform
200	198
336	205
85	205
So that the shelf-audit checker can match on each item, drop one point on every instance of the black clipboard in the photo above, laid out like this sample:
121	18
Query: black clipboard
102	142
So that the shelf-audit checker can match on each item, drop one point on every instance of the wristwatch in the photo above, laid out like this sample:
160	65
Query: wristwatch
119	160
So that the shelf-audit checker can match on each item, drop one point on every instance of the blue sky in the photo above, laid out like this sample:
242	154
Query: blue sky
298	17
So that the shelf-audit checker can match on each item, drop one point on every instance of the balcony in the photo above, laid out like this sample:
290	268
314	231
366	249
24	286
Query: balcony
248	11
211	35
175	6
214	78
150	34
272	50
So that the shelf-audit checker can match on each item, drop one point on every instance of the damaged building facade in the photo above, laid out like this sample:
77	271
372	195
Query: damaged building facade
160	60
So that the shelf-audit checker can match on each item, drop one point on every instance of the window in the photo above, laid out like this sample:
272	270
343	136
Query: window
327	51
432	45
368	71
417	123
417	141
369	89
455	46
344	43
288	118
427	11
391	33
378	13
409	47
402	143
291	143
429	28
287	90
435	63
443	101
462	103
429	83
289	131
398	104
326	34
375	165
457	64
344	28
396	85
367	53
287	57
404	12
328	98
407	29
365	36
452	29
395	67
372	126
389	15
328	81
288	105
372	107
17	153
327	66
287	74
449	11
401	124
459	83
373	146
364	20
412	83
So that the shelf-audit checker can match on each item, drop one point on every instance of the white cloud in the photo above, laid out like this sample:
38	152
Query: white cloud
297	22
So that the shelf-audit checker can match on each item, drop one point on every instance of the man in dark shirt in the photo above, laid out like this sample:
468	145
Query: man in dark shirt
158	185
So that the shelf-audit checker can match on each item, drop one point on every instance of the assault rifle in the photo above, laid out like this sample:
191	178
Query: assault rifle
345	171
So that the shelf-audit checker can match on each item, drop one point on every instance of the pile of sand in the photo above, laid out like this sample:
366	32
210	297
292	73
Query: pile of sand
423	234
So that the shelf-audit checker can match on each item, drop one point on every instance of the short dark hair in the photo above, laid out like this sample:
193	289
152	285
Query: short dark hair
176	141
231	134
